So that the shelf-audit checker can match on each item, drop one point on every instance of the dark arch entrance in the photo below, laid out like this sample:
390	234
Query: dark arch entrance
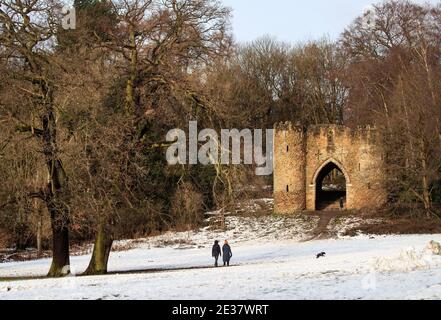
330	188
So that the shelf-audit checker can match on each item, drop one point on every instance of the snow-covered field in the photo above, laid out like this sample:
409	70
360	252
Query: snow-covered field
270	261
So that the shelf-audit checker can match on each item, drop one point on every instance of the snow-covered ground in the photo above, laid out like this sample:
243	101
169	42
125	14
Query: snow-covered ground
270	261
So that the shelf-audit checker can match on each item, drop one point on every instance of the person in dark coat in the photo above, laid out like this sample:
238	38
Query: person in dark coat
342	204
226	250
216	252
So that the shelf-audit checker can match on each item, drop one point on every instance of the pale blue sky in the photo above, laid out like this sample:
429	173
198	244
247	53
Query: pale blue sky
295	20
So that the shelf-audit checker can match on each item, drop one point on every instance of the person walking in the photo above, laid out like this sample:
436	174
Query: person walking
342	204
216	252
226	250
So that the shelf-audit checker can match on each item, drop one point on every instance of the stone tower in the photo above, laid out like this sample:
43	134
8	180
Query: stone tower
289	168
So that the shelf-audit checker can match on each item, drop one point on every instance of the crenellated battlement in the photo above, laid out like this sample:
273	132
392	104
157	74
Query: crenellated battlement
361	132
288	126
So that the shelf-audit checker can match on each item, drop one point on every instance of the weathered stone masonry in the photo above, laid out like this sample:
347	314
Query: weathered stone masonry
301	154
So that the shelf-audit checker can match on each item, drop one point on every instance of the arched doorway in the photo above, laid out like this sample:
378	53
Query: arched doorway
331	187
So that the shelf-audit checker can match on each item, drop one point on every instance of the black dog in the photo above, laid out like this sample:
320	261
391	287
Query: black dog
321	255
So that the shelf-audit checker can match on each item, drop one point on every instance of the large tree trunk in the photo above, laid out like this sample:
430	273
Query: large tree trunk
59	221
60	247
56	196
101	252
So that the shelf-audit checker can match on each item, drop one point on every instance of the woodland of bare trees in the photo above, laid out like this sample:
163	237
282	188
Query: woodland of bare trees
394	78
84	112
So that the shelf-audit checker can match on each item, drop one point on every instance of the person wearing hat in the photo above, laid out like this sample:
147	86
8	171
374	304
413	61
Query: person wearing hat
226	250
216	252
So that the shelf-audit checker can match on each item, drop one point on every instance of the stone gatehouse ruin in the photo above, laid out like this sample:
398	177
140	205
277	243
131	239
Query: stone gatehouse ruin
324	167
